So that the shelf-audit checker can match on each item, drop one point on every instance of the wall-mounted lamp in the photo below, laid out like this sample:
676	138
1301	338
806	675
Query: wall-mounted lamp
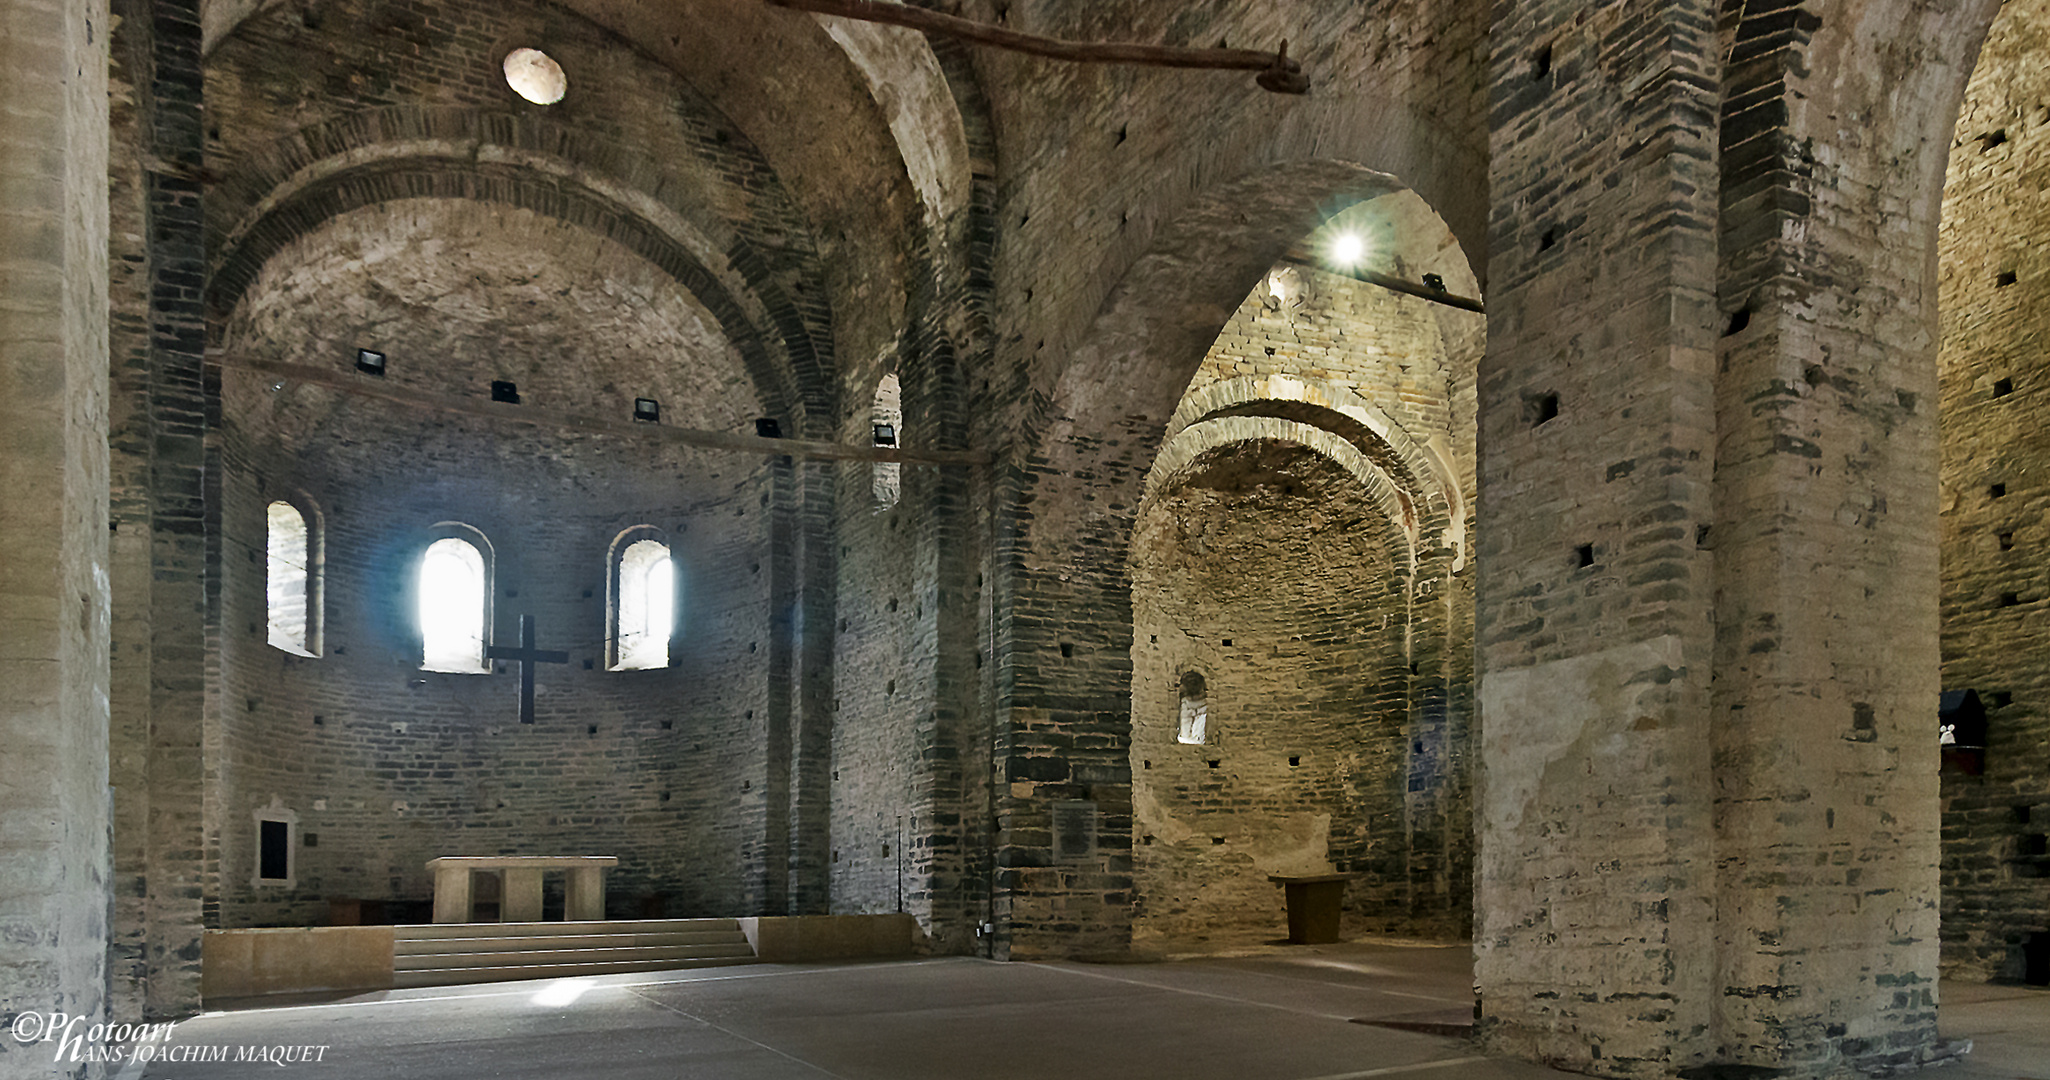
766	427
507	392
370	363
886	433
647	410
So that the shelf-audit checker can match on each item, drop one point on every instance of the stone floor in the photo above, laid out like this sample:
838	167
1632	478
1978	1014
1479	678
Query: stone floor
1264	1013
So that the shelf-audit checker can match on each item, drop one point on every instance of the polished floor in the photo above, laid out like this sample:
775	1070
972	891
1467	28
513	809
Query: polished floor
1267	1013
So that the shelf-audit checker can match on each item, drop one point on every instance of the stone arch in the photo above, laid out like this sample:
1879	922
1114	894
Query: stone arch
1183	453
464	154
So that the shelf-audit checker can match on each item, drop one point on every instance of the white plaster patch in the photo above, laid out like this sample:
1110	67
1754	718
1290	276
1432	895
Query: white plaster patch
1531	717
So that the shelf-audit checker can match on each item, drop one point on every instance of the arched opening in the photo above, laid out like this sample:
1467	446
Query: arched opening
887	425
643	602
454	606
292	579
1300	613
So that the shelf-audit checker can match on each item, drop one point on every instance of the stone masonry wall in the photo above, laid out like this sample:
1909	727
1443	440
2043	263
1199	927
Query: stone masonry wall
1266	574
54	603
1995	388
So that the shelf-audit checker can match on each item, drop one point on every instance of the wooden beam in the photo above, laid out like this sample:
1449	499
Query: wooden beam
1393	284
376	389
1277	72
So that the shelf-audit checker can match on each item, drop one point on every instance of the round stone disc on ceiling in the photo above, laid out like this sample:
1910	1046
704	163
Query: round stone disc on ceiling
536	76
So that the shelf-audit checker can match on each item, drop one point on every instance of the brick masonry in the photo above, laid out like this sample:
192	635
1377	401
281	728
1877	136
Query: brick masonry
1996	873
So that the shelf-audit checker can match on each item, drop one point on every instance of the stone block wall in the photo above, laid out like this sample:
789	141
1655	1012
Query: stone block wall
1995	388
54	573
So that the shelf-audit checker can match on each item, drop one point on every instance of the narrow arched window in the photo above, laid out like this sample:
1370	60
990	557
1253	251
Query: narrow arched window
292	580
1195	709
455	597
643	601
887	423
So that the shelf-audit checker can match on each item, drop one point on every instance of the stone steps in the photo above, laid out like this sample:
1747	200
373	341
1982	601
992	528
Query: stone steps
446	954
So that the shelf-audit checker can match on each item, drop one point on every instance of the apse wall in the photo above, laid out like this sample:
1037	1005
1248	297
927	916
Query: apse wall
1995	387
387	766
1359	667
1266	575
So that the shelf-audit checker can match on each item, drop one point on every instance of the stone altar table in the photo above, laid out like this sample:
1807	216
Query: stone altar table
520	899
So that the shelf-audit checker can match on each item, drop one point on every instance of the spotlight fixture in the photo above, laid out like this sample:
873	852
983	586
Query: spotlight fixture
1348	249
647	410
886	433
370	363
508	392
766	427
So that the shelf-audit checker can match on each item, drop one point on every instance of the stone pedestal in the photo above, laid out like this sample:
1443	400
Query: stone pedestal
1314	904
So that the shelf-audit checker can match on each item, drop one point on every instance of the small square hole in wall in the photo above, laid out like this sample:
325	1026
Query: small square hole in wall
1992	139
1215	762
504	391
2035	844
1227	643
1998	699
1067	648
592	730
1216	840
2022	814
2008	599
2003	279
1147	841
2007	541
1996	491
667	724
2003	387
1544	407
1583	556
1146	765
1295	760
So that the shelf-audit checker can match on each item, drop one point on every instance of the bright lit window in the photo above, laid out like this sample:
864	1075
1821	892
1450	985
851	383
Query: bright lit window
455	591
645	606
290	593
1195	709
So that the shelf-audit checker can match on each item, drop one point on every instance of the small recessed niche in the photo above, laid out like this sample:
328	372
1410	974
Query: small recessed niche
2007	541
1541	63
1548	238
1541	408
1583	556
505	391
1996	491
536	76
1992	139
1295	760
1216	762
2003	387
1067	648
1217	840
2003	279
2008	599
1739	319
1227	643
2021	815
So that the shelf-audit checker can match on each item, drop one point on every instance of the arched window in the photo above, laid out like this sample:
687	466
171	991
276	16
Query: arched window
643	600
887	422
455	602
1195	708
292	576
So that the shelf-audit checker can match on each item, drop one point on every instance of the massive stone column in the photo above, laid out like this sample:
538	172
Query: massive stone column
1708	567
1595	892
53	517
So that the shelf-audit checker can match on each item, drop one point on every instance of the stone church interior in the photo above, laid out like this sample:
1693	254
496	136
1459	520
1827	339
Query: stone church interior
1564	475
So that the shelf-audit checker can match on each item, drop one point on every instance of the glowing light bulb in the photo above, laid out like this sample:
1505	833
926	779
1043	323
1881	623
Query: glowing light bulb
1348	249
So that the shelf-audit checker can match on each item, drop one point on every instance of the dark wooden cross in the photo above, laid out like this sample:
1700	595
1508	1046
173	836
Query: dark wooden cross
528	656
